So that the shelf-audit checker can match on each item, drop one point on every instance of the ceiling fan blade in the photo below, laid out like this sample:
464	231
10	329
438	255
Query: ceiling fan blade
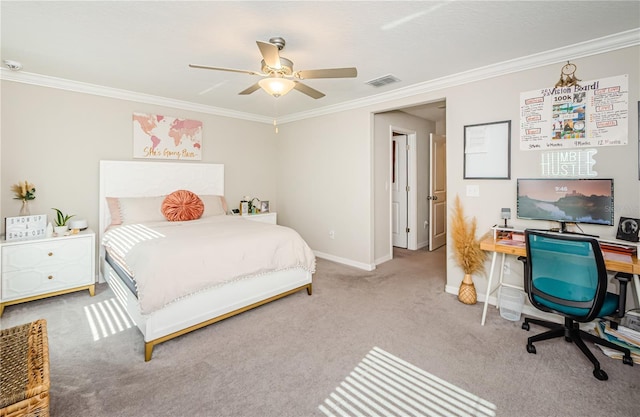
311	92
250	90
225	69
327	73
270	54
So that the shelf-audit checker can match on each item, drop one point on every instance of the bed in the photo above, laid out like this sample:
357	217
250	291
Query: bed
208	289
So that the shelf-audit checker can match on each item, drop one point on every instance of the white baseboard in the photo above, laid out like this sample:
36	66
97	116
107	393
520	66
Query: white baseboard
383	259
333	258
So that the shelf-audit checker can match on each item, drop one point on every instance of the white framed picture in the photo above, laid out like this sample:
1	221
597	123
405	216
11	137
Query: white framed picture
264	207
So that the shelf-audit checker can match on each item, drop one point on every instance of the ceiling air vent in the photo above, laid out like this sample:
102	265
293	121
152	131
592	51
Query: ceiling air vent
384	80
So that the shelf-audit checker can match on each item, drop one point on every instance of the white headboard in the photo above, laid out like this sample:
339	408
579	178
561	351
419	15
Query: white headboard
148	179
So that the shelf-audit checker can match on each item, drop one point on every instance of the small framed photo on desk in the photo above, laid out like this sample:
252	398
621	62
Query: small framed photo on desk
264	207
628	229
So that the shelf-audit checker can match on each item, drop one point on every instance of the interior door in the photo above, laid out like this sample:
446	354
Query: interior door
399	192
437	192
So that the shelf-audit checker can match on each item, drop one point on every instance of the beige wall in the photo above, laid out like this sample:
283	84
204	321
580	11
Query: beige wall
324	184
55	138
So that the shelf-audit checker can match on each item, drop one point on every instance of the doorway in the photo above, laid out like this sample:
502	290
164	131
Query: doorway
400	189
404	188
416	192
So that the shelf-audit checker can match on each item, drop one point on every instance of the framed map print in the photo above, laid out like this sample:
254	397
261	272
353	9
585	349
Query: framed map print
165	137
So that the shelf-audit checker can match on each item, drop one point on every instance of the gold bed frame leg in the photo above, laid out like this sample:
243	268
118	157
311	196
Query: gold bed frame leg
310	289
148	351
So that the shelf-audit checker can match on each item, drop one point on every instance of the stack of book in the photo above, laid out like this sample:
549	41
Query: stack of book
623	336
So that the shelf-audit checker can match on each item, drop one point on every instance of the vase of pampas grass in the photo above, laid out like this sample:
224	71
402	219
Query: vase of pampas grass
466	252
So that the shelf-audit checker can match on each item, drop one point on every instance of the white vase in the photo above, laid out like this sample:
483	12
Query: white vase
49	230
60	230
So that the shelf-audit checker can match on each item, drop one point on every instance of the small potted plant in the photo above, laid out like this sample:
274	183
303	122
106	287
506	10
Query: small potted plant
61	220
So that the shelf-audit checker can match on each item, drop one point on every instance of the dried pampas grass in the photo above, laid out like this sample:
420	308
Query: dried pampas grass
466	248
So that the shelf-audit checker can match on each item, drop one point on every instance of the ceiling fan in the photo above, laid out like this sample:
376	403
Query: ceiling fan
279	76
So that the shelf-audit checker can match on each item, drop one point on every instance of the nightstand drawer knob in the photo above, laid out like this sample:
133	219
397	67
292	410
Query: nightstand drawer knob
50	254
50	277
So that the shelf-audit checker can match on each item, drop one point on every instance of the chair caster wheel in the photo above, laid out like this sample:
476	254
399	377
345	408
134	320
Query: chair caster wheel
627	360
600	374
525	326
531	349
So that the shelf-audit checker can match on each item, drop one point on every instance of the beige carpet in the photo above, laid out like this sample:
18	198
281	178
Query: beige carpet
291	356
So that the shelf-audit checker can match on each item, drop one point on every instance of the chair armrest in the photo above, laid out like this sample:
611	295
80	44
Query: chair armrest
623	279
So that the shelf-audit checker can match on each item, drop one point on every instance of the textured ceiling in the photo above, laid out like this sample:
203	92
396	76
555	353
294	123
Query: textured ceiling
145	47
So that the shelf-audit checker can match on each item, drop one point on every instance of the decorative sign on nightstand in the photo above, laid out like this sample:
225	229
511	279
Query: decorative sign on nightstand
26	227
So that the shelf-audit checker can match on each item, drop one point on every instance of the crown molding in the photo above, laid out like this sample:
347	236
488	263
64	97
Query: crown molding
584	49
98	90
580	50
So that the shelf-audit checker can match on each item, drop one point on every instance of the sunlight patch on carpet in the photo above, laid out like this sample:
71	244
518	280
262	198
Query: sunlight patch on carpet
384	385
106	318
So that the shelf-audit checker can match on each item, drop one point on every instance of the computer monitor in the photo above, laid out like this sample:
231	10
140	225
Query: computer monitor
584	200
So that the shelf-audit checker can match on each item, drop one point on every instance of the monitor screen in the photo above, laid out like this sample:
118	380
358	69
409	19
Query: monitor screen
588	200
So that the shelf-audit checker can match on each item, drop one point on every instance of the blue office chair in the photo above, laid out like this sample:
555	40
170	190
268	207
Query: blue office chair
566	275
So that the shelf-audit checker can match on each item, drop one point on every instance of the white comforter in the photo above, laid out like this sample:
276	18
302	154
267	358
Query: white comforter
170	260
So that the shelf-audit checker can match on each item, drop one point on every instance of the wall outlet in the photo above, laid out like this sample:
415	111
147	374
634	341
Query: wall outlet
506	269
332	234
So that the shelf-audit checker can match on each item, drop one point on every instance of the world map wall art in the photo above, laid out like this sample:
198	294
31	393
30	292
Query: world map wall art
164	137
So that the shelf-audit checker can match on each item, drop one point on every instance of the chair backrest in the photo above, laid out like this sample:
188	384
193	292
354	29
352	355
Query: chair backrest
565	274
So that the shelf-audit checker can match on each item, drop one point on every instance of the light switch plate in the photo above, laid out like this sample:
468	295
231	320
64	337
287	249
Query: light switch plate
473	191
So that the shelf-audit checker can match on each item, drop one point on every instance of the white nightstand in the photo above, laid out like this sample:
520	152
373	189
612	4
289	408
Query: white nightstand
271	218
40	268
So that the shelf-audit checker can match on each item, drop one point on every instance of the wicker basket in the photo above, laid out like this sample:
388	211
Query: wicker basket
24	370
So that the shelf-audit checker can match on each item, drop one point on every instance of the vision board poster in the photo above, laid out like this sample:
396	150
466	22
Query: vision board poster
593	113
165	137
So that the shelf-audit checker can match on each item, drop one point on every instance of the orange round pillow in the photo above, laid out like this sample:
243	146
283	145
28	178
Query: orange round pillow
182	205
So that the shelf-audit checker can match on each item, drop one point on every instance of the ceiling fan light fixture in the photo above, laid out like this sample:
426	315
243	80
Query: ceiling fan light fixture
276	86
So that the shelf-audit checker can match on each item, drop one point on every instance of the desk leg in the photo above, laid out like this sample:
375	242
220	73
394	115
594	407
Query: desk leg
504	257
486	299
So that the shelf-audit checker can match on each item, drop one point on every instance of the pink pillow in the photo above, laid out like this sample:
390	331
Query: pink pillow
182	205
114	210
214	205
